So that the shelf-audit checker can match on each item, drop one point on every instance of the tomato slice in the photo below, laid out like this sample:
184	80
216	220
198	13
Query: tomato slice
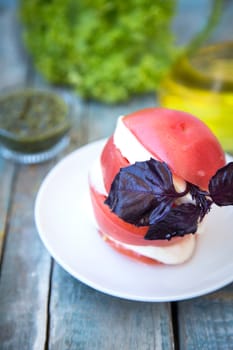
129	253
111	162
110	224
181	140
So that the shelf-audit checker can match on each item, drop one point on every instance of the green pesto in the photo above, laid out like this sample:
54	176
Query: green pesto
32	120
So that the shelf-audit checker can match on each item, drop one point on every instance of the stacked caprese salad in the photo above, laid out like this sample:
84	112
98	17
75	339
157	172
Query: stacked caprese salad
154	182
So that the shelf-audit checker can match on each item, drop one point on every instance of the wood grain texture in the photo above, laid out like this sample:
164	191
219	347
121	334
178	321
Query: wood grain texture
206	323
101	118
6	178
13	71
13	65
25	271
83	319
26	265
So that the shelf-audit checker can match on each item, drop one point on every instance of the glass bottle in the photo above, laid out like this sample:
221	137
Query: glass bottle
201	80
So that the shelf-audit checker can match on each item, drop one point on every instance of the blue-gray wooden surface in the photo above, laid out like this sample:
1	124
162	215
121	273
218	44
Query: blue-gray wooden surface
41	305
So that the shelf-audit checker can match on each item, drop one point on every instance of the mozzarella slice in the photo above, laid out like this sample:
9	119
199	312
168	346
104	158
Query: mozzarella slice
170	255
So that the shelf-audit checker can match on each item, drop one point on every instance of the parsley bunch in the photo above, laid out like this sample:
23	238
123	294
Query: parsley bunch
106	50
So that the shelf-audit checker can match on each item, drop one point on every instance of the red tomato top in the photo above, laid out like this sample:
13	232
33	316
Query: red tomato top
181	140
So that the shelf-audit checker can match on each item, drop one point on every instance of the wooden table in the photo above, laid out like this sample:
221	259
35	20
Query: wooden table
41	305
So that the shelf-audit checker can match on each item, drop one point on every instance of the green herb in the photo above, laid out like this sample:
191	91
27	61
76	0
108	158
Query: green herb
106	50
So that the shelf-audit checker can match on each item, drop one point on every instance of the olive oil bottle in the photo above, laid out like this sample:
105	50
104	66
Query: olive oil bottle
203	85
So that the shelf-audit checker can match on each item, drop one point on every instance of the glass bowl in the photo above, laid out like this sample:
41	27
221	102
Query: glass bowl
34	124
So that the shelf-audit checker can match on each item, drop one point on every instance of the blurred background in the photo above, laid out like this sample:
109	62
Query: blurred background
112	52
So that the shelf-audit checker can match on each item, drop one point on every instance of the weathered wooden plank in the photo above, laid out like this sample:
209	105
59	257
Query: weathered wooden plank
82	318
26	266
6	178
79	116
13	66
102	117
12	70
206	323
8	4
25	279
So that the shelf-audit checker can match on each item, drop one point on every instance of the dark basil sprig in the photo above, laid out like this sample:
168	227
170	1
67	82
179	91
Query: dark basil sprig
221	186
143	194
179	221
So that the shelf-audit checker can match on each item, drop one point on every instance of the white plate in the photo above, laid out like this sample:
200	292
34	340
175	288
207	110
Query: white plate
64	219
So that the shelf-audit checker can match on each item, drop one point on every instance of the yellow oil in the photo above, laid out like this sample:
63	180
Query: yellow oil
203	85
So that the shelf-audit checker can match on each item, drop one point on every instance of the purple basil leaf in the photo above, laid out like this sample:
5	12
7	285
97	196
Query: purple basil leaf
160	211
142	192
179	221
200	198
221	186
